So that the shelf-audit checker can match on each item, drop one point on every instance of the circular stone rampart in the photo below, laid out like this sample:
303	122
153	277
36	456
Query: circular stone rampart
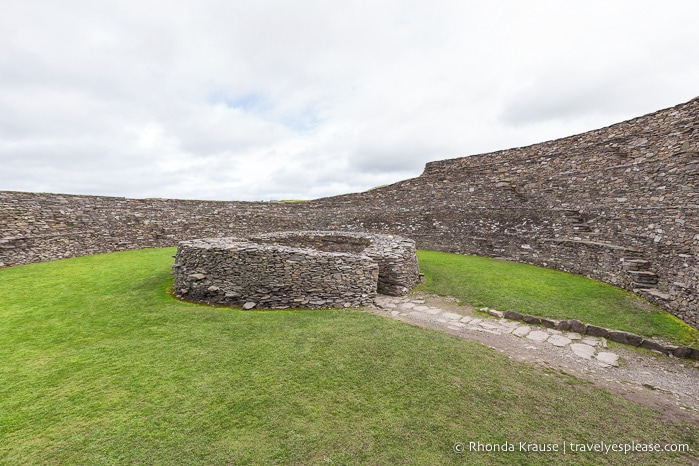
310	269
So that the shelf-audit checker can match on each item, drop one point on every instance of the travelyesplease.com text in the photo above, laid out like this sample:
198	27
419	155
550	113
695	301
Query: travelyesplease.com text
569	447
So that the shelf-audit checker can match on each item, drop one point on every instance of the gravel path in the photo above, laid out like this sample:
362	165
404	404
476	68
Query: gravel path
662	382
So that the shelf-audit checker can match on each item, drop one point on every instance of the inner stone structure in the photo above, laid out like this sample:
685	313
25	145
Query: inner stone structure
310	269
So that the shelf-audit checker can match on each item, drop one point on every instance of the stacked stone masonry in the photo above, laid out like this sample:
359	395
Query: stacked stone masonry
295	269
618	204
395	256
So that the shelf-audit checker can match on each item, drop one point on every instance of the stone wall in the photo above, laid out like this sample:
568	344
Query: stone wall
37	227
295	269
619	204
395	256
256	275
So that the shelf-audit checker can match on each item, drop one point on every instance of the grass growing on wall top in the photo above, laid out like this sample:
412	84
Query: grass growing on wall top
100	365
542	292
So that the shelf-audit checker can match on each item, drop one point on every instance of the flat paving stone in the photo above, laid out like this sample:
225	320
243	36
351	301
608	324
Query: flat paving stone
418	301
407	305
465	319
456	325
451	315
484	330
522	330
559	340
573	335
538	335
592	341
509	323
395	313
553	331
475	321
434	311
422	308
489	326
607	358
582	350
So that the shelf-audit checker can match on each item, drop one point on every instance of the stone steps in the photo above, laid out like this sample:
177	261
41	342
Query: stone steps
639	269
654	292
643	279
636	265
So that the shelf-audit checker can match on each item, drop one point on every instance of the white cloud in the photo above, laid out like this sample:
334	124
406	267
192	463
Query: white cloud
273	100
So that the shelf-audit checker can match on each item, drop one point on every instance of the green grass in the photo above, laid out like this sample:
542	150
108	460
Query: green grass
542	292
100	365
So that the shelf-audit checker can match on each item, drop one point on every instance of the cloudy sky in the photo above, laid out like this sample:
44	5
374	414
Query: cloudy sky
282	99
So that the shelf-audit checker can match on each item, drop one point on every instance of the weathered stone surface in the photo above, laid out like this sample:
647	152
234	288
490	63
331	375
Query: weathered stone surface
531	320
578	327
512	315
559	340
521	331
596	331
654	345
271	274
395	255
592	341
538	335
582	350
563	325
607	358
625	337
548	323
682	352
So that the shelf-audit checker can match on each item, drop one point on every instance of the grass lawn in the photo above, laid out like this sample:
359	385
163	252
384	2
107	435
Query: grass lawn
100	365
502	285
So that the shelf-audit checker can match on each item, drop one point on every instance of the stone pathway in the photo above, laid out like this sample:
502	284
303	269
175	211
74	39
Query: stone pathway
590	348
662	382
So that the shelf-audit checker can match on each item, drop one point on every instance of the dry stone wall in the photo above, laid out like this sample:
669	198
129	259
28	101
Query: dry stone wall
396	257
295	269
619	204
37	227
255	275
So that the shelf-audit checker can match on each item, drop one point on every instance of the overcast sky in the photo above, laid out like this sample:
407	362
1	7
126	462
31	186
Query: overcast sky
282	99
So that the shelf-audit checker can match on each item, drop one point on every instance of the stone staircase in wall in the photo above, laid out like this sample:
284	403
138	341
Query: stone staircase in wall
576	224
643	279
634	263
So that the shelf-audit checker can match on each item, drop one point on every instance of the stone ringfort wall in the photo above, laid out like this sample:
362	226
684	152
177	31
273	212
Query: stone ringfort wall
619	204
295	269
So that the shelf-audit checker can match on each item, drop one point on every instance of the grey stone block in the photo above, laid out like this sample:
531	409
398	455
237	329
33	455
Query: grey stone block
596	331
625	337
577	326
531	320
512	315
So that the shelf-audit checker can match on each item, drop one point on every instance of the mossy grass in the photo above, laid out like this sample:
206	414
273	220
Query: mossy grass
100	365
542	292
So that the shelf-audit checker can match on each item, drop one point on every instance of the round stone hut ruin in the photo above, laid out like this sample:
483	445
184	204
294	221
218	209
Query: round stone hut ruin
309	269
